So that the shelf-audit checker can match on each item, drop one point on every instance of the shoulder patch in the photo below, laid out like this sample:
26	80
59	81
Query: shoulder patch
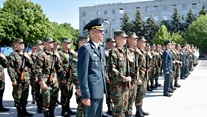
86	44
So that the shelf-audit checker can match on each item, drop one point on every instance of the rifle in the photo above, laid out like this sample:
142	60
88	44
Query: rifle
52	70
23	64
147	65
127	67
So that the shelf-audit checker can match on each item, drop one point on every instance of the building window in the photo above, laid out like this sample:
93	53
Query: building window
105	12
164	7
155	8
98	13
138	8
121	10
183	17
147	8
183	6
83	13
174	6
113	11
194	6
84	22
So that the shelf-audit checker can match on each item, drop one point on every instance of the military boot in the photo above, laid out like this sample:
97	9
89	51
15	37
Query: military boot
157	83
39	107
69	111
148	87
33	99
19	112
152	84
25	113
171	86
2	109
63	111
46	114
109	108
138	112
176	84
51	111
143	112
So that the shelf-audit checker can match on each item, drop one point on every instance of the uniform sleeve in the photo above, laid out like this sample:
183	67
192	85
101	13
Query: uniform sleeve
82	68
11	68
59	69
165	60
39	67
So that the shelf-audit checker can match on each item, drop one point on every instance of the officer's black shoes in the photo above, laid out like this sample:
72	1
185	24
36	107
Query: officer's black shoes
167	95
138	112
143	112
2	109
171	91
25	113
109	112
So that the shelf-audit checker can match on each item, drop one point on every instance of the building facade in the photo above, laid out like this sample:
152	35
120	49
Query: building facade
160	9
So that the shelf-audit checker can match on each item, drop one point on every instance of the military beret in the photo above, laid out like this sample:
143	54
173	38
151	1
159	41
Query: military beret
141	38
132	35
19	40
167	42
120	33
48	39
110	39
66	40
95	24
38	42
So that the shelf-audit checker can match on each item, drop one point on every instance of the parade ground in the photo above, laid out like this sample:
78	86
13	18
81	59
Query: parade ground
190	100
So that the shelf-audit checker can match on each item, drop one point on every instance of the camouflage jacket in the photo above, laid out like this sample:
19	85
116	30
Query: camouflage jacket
15	64
133	72
143	65
3	64
43	67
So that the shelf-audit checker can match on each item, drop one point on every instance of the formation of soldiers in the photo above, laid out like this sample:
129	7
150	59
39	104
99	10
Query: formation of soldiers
132	67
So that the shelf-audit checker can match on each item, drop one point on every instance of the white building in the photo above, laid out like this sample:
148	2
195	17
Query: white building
160	9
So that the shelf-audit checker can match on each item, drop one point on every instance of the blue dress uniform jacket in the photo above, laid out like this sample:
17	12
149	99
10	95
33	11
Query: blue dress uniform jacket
167	62
91	71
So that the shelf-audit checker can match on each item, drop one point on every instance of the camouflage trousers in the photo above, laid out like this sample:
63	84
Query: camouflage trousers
38	95
132	97
2	84
66	93
20	94
108	88
176	73
81	106
157	74
50	96
120	93
141	91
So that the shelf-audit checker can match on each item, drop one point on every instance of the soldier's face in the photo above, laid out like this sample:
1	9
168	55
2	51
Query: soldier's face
20	46
66	45
97	35
39	47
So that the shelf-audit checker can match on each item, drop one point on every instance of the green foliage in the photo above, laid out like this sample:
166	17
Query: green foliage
203	11
177	38
138	24
190	17
23	19
150	28
175	22
162	35
197	32
126	24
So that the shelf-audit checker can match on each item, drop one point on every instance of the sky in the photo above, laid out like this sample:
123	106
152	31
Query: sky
62	11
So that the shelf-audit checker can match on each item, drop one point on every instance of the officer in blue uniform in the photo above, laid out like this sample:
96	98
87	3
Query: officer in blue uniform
90	69
167	67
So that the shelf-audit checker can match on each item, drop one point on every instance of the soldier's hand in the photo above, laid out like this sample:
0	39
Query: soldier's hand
167	72
78	92
56	54
139	82
128	79
129	58
43	85
86	102
63	81
2	56
36	80
14	83
26	55
108	81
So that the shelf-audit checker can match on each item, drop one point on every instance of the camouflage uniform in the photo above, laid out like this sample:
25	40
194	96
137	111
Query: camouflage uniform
119	89
20	92
66	89
43	67
158	65
177	67
152	69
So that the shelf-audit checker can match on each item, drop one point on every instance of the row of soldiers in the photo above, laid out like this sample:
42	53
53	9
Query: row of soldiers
132	68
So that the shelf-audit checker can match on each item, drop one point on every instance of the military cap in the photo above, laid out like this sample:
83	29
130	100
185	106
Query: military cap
173	42
56	42
66	40
177	44
110	39
132	35
48	39
38	42
153	44
141	38
120	33
167	42
95	24
18	40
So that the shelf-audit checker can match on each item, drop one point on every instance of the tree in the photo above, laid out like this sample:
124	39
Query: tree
23	19
138	24
167	23
177	38
197	32
162	35
126	24
150	28
203	11
190	17
175	22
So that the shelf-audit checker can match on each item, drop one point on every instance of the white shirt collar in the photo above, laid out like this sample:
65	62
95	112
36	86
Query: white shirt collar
96	44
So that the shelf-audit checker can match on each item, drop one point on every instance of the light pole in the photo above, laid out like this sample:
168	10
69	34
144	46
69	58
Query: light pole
108	22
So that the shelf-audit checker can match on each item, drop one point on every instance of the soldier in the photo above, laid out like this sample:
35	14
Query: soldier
3	64
167	68
19	62
178	65
80	109
67	54
174	56
111	43
143	76
153	62
48	66
134	73
158	64
184	63
150	67
119	80
38	96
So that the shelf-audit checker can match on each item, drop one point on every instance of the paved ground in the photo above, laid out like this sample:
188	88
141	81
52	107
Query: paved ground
188	101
